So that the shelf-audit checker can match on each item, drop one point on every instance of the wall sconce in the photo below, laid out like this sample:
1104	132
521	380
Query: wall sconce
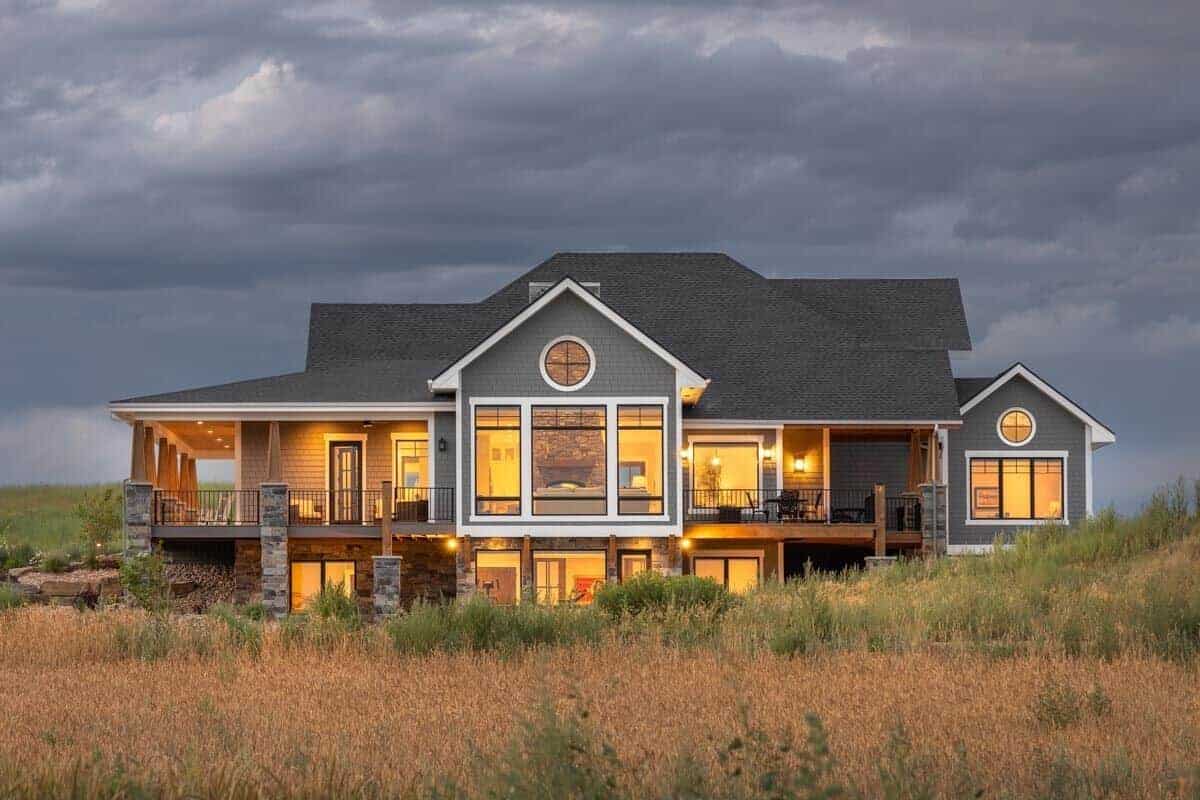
685	454
685	544
452	544
368	424
441	444
799	464
768	453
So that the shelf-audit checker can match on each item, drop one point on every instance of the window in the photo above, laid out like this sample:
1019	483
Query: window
560	577
498	460
498	575
630	563
569	460
723	473
1015	426
309	576
412	463
738	574
567	364
1016	488
639	460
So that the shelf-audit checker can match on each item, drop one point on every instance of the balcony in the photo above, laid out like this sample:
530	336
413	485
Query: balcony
801	507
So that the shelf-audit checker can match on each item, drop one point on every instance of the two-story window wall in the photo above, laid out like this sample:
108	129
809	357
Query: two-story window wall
498	460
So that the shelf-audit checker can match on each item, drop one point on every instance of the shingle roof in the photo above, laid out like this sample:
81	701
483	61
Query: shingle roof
969	387
774	348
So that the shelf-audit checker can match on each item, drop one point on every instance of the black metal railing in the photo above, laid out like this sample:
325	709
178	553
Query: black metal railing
854	505
904	514
206	507
423	504
335	506
753	505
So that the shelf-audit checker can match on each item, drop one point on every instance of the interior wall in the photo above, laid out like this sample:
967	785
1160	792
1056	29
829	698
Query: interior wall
304	454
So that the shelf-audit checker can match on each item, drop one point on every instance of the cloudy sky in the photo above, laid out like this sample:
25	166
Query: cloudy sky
178	181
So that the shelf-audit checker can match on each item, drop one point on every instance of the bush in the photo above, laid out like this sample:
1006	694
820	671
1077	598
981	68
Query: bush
243	633
650	592
1057	705
10	597
334	602
56	561
99	521
148	639
477	625
12	555
144	577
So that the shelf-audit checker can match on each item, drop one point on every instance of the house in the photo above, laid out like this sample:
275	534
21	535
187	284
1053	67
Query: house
602	415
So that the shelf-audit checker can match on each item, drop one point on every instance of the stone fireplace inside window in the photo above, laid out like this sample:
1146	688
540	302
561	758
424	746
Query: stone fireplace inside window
569	460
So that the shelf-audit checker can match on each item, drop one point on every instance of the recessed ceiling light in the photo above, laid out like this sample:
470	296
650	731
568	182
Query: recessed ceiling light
199	422
219	439
210	433
226	447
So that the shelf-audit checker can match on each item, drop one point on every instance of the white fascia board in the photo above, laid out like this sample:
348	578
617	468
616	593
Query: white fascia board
267	412
1101	435
448	380
848	423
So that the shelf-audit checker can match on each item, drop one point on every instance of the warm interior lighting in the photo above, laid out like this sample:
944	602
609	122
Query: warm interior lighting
768	453
685	544
715	461
227	447
798	464
199	422
452	544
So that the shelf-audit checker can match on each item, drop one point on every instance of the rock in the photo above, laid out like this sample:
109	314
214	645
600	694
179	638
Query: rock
60	588
181	588
16	572
110	590
108	561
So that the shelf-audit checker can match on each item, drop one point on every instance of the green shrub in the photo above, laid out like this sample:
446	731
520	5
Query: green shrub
650	592
478	625
57	561
254	611
335	602
242	633
100	520
147	639
12	555
144	577
1167	617
10	597
1058	705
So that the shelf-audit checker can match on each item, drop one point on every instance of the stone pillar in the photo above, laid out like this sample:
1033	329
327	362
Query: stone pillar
934	519
385	595
139	504
464	564
674	556
385	520
273	510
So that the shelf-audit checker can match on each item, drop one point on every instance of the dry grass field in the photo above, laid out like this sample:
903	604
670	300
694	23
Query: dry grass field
1063	668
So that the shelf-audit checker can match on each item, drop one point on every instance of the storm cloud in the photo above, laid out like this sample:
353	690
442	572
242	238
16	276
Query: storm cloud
179	180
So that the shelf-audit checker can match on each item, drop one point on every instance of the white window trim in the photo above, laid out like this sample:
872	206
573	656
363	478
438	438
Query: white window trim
727	438
1032	422
1019	523
553	384
526	405
416	436
329	439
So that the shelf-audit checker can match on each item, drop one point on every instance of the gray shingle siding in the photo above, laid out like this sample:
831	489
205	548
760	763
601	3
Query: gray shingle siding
861	463
1057	429
624	368
443	428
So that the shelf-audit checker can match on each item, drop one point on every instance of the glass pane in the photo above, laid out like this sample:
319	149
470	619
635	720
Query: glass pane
497	461
639	416
743	574
569	460
985	488
640	471
568	577
633	564
712	568
1047	489
723	473
412	463
498	576
1016	426
567	363
306	583
1018	501
340	574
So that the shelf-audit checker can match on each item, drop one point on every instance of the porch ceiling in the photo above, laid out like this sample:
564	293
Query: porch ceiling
203	436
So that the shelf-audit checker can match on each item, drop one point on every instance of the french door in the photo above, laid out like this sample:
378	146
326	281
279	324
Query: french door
345	482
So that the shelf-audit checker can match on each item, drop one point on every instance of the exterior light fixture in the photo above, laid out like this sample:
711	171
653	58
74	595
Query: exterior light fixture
368	424
452	544
799	464
768	453
199	422
685	544
441	444
685	454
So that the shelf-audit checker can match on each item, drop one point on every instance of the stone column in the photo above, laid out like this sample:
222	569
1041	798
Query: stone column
385	595
674	556
934	516
139	504
273	510
464	564
612	559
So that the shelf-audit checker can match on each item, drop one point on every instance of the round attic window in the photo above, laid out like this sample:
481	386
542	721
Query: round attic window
1016	426
568	363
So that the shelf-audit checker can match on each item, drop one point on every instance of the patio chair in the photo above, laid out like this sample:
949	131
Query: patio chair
812	510
754	509
789	505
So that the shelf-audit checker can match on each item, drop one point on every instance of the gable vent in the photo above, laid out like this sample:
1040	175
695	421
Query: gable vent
538	288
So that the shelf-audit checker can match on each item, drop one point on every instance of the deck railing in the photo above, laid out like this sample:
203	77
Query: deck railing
847	506
206	507
423	504
335	506
904	514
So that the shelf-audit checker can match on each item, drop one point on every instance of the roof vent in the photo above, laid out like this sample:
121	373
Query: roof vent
538	288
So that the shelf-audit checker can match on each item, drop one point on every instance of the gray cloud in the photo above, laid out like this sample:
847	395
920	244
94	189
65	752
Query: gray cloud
180	179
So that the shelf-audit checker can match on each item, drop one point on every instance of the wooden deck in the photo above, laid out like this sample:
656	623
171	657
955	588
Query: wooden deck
858	534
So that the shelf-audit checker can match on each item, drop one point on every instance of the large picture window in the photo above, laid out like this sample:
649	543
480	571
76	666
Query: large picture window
640	460
309	576
498	460
569	460
722	473
560	577
1017	488
738	574
412	463
498	575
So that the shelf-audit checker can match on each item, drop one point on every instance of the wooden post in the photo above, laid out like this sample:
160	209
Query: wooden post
526	567
385	524
779	571
137	465
825	453
148	457
880	520
274	455
164	469
612	558
173	468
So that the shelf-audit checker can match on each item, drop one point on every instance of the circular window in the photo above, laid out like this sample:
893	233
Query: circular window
568	363
1016	426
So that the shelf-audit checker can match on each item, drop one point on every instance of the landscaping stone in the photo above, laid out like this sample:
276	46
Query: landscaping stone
63	588
110	590
16	572
182	588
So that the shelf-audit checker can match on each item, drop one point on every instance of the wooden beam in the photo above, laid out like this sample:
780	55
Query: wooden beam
164	469
825	454
274	454
385	523
172	468
779	561
148	455
137	456
861	531
880	519
526	566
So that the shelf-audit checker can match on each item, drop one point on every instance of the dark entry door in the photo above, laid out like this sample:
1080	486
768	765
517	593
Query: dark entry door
345	482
